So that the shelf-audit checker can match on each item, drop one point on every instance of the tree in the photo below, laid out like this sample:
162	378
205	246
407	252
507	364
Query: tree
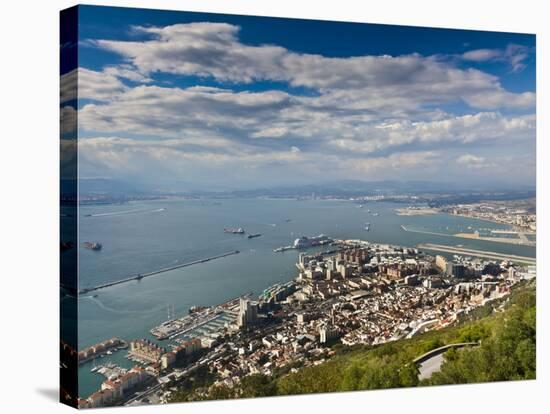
509	353
220	392
351	378
257	385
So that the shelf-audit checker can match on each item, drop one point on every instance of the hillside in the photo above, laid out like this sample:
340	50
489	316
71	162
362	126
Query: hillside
506	331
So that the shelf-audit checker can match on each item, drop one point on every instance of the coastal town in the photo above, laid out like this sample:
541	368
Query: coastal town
354	292
520	216
517	217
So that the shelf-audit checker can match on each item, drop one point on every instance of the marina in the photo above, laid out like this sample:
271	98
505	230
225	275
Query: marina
109	370
176	327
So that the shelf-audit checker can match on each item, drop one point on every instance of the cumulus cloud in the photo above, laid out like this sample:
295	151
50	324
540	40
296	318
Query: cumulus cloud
68	119
366	115
202	49
90	84
126	72
68	86
276	115
214	50
171	111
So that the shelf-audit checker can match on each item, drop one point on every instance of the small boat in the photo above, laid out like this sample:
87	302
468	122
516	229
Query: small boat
93	245
231	230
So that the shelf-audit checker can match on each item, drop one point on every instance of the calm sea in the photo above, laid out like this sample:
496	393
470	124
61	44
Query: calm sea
144	236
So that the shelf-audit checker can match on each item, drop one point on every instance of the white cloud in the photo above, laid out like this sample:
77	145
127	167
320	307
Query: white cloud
401	162
214	50
68	86
367	115
90	84
154	110
471	160
119	153
126	72
513	54
103	85
100	86
502	99
68	121
481	55
516	55
202	49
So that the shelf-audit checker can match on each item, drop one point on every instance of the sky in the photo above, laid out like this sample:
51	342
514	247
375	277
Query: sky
187	101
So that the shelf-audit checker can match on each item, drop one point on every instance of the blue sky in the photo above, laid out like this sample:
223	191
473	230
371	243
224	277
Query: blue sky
183	101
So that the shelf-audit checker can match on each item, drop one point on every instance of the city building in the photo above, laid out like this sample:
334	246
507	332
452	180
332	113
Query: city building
441	263
113	390
327	333
145	350
456	270
248	313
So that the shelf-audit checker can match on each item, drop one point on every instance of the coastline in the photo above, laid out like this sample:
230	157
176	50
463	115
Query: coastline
205	284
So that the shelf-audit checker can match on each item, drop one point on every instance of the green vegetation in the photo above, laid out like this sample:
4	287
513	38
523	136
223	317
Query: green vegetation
201	379
507	351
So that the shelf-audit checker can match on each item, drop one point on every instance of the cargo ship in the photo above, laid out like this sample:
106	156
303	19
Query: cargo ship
232	230
251	236
93	245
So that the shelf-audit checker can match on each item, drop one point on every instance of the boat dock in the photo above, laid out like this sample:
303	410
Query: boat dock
156	272
176	327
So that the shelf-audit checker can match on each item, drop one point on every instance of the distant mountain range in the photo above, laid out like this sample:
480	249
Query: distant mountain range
339	188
